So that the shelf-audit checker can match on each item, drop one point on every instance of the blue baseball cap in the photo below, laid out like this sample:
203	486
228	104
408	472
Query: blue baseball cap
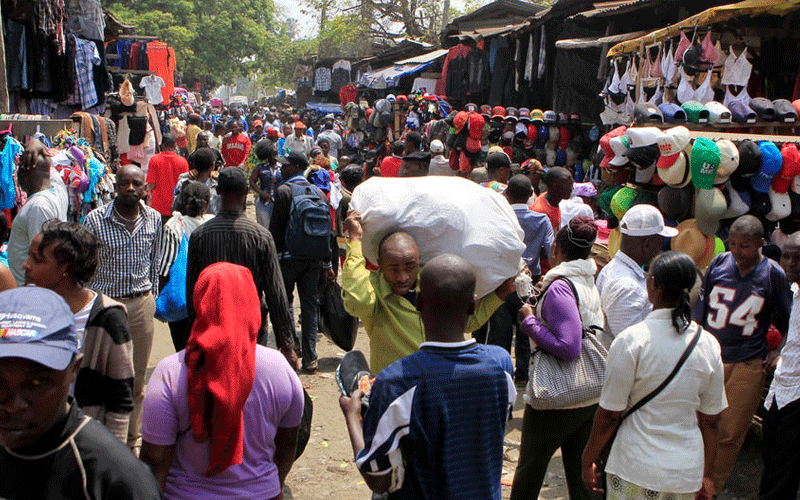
561	157
544	134
672	113
742	113
37	324
771	164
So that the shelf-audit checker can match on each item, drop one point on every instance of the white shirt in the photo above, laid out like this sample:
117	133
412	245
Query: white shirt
660	447
39	208
334	140
303	145
785	387
623	295
152	88
440	166
82	317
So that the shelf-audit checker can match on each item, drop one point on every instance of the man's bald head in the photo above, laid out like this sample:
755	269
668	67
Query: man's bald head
130	170
748	226
398	240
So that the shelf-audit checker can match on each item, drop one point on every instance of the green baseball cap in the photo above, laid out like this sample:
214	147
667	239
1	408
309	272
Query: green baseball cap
705	162
695	112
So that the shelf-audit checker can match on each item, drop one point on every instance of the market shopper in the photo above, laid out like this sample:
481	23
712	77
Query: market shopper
329	134
666	448
559	187
298	141
48	447
235	146
202	163
390	165
163	173
264	181
781	424
44	203
742	293
439	164
129	233
498	168
384	300
622	283
419	438
233	237
556	325
415	164
63	258
221	416
301	269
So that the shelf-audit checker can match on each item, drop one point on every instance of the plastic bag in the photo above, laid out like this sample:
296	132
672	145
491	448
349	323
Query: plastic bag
171	302
445	215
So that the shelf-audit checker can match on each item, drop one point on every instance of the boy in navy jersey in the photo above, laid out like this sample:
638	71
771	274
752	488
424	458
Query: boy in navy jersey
436	419
742	292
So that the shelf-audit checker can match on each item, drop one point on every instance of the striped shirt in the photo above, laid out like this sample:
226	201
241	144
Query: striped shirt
436	421
232	237
129	261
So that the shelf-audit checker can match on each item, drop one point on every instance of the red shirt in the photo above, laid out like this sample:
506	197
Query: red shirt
163	171
235	150
390	166
553	213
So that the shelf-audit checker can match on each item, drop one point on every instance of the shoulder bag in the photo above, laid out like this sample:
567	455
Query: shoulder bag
556	383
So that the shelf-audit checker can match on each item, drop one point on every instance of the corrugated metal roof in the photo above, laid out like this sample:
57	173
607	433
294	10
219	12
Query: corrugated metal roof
613	8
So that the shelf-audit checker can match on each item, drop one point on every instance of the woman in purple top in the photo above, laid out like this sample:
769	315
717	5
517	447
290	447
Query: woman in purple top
555	325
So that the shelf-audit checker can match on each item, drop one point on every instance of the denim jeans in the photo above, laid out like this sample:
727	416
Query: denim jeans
305	274
264	212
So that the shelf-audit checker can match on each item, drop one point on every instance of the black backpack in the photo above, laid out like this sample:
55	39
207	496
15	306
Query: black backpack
308	234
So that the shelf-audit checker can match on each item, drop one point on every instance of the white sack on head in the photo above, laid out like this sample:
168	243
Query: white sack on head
445	215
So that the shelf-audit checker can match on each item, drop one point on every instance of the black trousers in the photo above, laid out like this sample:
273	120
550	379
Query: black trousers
499	330
781	453
543	432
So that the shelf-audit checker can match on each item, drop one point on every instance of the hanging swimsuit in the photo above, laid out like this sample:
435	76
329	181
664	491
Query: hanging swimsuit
737	69
702	94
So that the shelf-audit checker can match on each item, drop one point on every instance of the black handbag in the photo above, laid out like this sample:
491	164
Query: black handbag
336	323
603	460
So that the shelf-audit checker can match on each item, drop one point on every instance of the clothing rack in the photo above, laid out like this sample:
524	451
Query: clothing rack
28	128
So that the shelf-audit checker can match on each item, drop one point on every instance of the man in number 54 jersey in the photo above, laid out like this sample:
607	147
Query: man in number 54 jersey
743	292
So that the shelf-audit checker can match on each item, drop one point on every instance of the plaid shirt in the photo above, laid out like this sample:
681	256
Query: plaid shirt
129	262
86	58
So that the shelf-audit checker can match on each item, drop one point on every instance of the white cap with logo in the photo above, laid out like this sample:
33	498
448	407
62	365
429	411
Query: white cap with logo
645	220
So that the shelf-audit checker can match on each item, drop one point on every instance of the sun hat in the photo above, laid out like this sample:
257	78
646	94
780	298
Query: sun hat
691	241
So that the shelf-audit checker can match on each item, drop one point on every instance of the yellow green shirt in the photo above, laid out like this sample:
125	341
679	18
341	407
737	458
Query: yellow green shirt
392	322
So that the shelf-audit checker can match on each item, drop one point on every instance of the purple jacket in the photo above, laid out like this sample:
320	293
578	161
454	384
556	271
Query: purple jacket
559	310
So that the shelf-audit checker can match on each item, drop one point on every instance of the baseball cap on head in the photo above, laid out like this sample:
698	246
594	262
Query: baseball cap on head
771	164
645	220
670	144
38	325
705	162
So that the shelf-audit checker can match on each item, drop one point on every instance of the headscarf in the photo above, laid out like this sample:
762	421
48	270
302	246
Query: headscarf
221	359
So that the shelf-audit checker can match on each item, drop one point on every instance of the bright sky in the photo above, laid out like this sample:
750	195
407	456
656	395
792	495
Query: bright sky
308	25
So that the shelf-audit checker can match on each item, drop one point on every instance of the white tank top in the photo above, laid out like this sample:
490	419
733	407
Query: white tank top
703	94
737	69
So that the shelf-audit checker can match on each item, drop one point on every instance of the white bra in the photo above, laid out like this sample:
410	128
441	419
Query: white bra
743	97
703	94
737	69
668	66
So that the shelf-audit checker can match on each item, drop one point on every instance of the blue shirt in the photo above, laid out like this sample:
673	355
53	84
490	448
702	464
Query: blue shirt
436	422
538	236
738	310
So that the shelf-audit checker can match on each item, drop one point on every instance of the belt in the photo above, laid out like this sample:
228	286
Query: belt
134	295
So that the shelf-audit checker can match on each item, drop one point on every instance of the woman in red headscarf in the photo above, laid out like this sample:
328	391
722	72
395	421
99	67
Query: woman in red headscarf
221	417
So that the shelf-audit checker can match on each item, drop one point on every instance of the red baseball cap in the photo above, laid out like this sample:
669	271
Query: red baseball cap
299	124
272	132
498	112
789	170
258	123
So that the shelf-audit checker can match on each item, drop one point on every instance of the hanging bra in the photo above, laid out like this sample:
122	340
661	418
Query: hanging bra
702	94
616	91
668	66
683	44
720	55
656	70
709	51
742	97
737	69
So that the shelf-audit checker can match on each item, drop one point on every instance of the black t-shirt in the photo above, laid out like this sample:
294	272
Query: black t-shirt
43	471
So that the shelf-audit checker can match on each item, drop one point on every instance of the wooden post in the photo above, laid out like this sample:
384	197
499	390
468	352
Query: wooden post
3	81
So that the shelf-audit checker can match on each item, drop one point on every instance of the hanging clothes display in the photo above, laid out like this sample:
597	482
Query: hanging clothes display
161	60
340	76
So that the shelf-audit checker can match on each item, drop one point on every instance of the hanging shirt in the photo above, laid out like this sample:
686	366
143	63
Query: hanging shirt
152	86
86	58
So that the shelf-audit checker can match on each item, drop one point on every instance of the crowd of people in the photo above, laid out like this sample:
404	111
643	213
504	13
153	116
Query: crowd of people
683	351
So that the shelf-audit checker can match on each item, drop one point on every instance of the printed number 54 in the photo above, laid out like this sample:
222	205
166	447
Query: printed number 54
744	316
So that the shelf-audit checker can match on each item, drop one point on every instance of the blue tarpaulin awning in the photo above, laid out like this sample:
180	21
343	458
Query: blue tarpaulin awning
325	107
390	77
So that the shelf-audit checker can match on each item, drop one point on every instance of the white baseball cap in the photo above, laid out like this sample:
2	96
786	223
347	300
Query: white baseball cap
437	146
671	143
619	145
643	136
645	220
